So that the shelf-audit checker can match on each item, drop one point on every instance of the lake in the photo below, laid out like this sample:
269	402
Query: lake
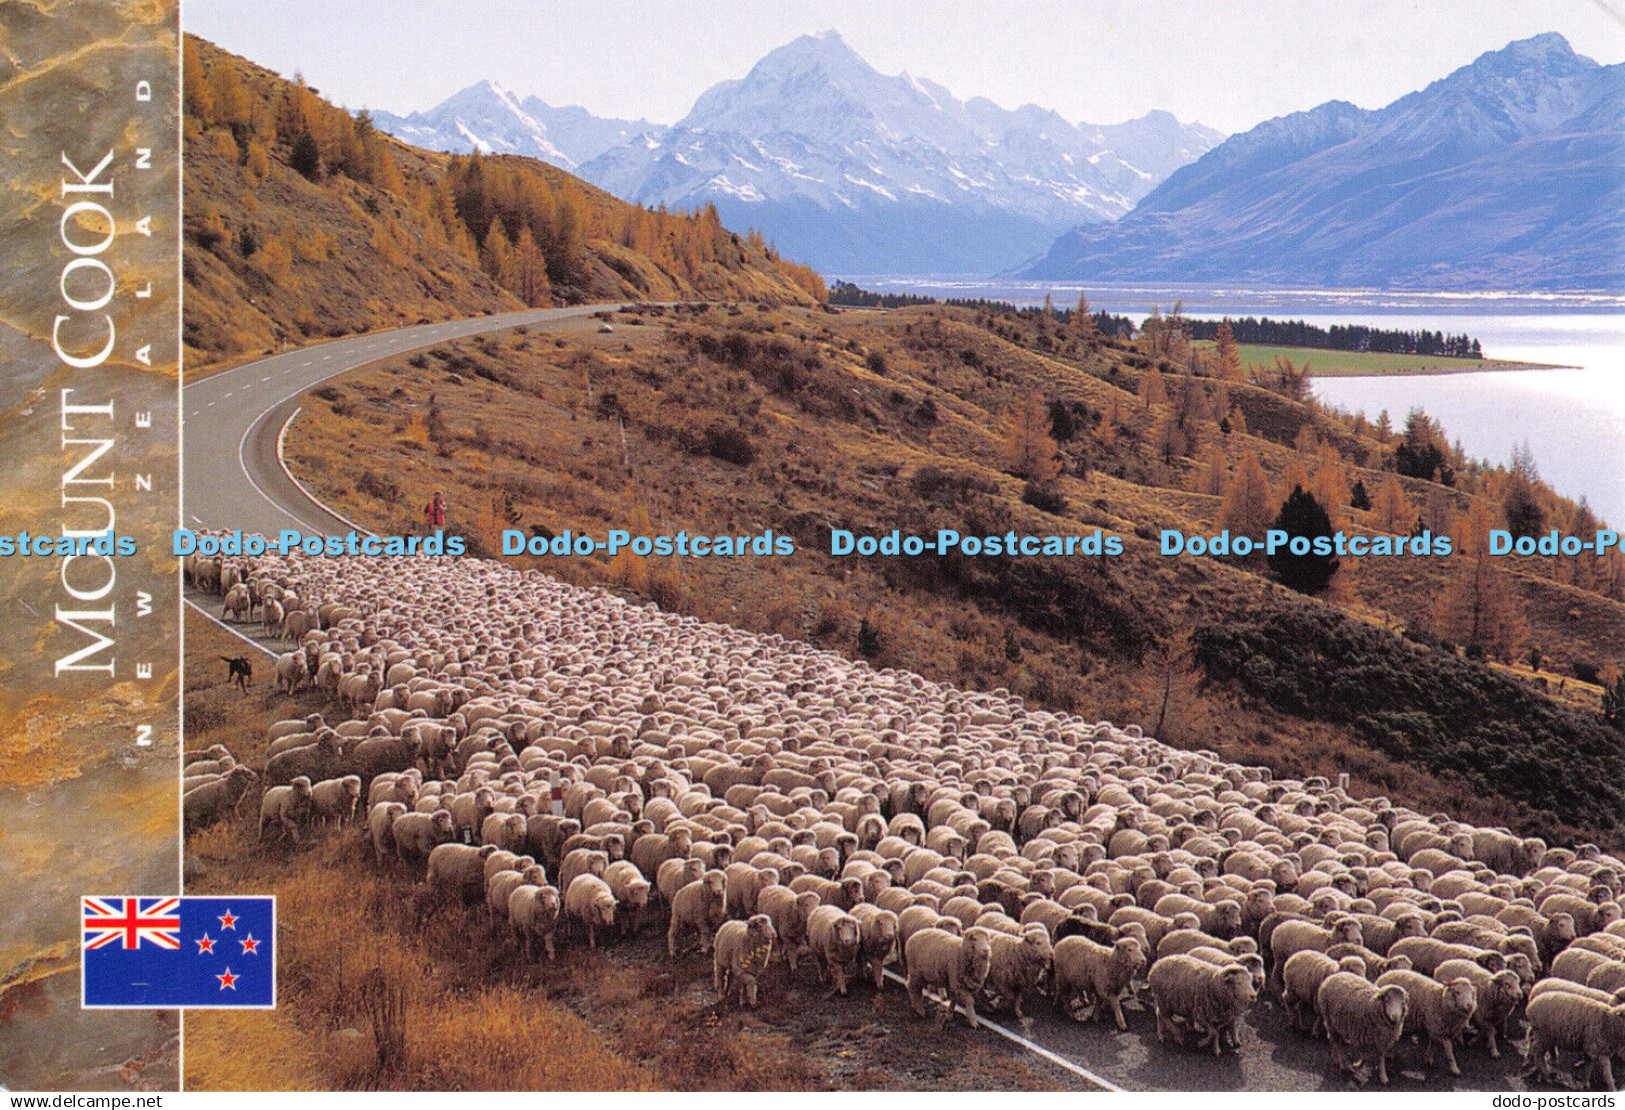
1572	418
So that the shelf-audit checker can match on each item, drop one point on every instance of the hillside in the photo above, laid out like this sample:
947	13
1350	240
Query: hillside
728	420
1503	174
303	222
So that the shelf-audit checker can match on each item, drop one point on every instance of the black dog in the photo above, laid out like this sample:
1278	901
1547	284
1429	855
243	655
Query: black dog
242	672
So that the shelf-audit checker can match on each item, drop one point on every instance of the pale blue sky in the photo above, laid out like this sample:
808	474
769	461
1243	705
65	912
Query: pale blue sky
1228	64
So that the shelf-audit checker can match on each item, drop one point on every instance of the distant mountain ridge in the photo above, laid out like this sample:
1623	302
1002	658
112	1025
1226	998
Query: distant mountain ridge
488	118
846	168
1507	173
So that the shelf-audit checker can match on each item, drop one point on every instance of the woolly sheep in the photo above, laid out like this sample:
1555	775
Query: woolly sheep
1499	994
1211	999
1300	985
955	965
334	800
740	956
1095	974
533	912
457	869
1019	962
1439	1011
1362	1017
590	901
1561	1019
286	807
835	939
380	821
701	905
631	892
416	835
205	804
878	930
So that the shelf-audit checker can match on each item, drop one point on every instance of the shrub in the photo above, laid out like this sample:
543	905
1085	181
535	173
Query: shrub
1044	495
383	487
1301	515
730	445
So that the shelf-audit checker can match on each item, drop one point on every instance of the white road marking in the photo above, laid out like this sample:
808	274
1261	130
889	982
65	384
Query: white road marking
1040	1050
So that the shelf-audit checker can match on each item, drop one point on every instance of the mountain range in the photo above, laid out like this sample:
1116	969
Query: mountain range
488	118
842	167
1508	173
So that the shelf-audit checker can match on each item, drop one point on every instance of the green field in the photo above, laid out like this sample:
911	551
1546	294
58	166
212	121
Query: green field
1357	364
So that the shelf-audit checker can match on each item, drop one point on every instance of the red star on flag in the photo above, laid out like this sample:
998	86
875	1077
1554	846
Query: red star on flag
228	920
228	980
204	945
251	947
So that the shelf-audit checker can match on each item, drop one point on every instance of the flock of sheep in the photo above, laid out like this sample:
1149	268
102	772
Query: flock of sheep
572	761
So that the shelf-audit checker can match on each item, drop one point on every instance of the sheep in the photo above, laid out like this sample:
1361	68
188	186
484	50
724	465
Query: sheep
631	892
1426	954
503	881
286	807
835	939
956	965
454	869
380	821
1608	977
1439	1011
789	912
878	928
1095	974
674	874
701	905
334	800
1019	962
740	956
205	804
533	911
581	861
290	671
1561	1019
416	835
1212	999
589	900
1290	937
1499	994
1361	1016
1300	984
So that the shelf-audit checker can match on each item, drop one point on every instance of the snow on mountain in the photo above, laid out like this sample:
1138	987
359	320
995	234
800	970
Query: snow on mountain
1505	173
488	118
855	171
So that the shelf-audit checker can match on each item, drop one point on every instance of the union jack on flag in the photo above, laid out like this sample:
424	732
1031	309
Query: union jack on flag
131	923
164	952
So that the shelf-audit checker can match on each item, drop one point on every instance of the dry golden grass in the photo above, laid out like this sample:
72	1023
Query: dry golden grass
531	436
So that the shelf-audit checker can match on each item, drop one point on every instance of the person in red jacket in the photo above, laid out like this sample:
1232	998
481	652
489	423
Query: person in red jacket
435	512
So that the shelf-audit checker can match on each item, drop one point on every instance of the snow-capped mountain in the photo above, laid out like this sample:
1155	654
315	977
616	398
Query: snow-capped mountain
1506	173
488	118
854	171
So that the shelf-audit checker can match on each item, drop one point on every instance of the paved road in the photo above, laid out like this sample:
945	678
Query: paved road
233	479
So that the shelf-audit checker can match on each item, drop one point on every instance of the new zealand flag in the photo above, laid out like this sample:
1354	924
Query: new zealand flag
166	951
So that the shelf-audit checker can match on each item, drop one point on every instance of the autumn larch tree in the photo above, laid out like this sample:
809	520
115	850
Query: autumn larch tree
1029	452
1480	607
1226	354
1247	508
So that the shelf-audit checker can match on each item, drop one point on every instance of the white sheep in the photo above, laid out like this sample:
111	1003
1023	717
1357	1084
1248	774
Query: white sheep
1095	974
836	940
1439	1011
1210	998
740	956
701	905
533	912
590	901
334	800
955	965
1562	1019
1362	1017
286	807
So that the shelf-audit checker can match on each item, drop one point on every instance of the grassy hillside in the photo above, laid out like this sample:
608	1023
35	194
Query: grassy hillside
733	419
303	222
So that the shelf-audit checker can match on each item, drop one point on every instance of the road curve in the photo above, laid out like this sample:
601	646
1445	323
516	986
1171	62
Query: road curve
233	478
